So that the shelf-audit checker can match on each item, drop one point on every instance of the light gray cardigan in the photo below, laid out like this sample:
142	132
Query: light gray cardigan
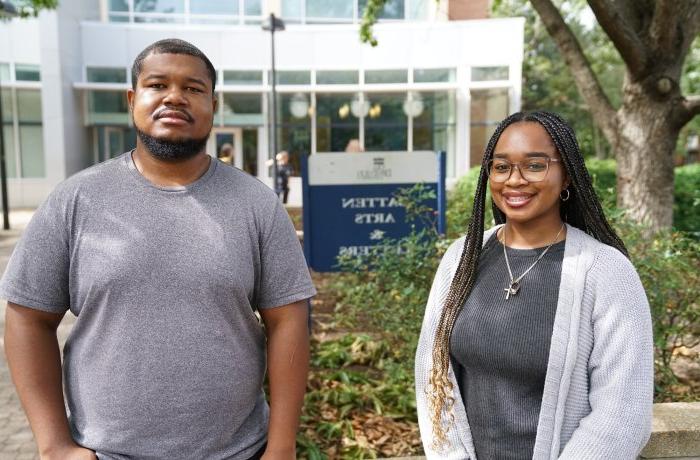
599	386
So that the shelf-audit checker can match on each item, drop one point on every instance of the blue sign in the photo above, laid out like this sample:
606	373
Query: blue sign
350	203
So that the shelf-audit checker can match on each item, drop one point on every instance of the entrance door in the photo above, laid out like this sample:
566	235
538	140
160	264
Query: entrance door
113	142
222	136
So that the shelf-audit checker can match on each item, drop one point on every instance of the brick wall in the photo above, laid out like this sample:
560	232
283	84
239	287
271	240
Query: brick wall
468	9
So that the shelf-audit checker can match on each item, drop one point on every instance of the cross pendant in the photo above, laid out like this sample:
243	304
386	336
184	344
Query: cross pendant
512	290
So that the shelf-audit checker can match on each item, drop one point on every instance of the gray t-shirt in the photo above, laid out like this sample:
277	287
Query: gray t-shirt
167	357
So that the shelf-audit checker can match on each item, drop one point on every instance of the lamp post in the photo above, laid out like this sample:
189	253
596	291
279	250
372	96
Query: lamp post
273	23
7	11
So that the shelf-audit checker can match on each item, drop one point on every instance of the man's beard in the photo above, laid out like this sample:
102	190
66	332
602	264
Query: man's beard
175	150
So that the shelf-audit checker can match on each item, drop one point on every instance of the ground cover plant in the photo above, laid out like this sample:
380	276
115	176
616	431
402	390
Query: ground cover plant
361	401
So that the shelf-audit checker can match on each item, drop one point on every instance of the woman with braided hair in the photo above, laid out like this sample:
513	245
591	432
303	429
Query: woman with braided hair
537	339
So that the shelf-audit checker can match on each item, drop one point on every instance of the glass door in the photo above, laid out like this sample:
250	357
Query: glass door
227	145
114	142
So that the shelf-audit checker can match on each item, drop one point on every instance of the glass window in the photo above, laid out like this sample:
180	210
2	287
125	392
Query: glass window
386	76
106	75
337	77
488	108
335	123
293	134
331	9
250	151
10	154
393	9
291	10
434	128
27	72
118	18
29	105
4	72
489	73
252	7
243	77
7	104
438	108
293	77
242	109
434	75
121	6
107	102
417	10
386	124
31	144
242	103
8	132
160	6
214	7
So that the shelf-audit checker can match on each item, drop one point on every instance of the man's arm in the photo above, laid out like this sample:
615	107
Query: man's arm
34	360
288	368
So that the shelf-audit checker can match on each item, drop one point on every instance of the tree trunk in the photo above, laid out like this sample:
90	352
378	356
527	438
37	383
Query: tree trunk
647	135
600	151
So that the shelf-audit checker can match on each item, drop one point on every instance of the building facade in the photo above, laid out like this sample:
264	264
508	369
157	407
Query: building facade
441	78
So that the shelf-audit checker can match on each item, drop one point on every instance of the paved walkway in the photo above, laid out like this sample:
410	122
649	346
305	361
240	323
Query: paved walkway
16	440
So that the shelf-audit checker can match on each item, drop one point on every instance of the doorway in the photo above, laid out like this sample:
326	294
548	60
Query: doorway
221	137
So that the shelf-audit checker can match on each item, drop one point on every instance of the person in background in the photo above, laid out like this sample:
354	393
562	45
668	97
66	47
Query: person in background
354	146
284	172
226	154
537	338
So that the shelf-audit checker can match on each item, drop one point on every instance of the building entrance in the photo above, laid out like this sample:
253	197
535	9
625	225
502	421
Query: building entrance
222	139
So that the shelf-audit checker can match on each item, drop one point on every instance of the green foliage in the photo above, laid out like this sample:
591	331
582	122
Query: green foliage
686	206
460	201
547	81
669	266
604	180
370	374
369	18
31	8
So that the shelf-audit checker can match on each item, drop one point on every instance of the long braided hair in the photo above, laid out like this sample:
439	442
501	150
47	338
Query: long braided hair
581	210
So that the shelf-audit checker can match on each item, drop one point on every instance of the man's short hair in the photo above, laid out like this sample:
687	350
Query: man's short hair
171	46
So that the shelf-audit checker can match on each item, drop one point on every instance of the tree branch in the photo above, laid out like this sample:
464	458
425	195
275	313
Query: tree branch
663	29
690	24
586	81
622	35
692	106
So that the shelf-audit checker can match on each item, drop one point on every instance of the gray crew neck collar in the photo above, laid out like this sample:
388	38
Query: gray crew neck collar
129	161
530	252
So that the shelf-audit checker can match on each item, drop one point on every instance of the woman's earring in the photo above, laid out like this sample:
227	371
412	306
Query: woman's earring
565	197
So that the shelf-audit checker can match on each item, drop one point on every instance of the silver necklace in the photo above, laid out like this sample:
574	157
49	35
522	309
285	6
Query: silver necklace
514	286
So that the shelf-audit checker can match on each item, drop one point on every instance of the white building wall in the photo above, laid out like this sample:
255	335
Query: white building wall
401	45
68	40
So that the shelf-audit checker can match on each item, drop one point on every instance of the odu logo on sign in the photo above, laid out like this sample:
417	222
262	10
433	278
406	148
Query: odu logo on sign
378	171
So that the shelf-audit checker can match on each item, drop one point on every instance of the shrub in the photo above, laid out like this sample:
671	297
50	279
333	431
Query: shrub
668	264
604	180
686	206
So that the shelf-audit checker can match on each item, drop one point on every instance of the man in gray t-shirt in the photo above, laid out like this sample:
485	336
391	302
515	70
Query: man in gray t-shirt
166	257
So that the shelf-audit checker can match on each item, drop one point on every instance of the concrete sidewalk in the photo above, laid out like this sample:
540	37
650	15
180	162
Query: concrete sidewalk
16	440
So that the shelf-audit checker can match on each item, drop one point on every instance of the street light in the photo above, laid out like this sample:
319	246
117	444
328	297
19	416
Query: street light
7	11
273	23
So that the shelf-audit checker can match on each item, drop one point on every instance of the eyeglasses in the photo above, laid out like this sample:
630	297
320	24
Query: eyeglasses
532	170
